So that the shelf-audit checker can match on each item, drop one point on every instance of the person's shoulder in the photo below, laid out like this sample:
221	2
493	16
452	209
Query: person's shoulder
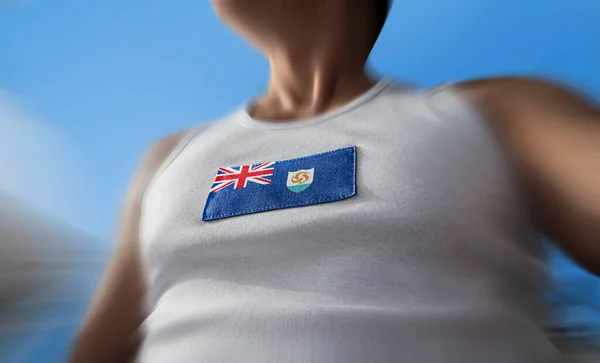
507	82
158	151
520	98
164	150
510	89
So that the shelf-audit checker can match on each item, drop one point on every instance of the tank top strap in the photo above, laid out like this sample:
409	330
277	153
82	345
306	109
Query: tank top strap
186	138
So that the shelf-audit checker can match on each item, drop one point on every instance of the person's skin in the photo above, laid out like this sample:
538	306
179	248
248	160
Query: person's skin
317	50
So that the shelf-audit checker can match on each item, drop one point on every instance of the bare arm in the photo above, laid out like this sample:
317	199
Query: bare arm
553	136
109	332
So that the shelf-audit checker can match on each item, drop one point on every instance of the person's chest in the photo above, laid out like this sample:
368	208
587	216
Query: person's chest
397	186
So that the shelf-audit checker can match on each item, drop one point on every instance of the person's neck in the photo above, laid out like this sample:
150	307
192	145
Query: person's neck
302	87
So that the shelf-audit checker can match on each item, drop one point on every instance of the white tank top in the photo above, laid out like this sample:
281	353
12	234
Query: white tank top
389	230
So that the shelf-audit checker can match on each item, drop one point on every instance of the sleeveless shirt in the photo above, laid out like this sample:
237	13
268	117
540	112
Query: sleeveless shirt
432	260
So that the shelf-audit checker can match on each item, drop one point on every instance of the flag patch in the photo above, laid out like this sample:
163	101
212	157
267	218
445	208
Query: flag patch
253	188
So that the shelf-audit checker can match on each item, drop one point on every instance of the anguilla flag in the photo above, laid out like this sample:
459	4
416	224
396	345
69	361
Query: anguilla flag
267	186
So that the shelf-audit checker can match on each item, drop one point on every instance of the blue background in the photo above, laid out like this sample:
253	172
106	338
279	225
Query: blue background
118	74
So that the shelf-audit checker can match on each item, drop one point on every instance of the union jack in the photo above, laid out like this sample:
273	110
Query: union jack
239	176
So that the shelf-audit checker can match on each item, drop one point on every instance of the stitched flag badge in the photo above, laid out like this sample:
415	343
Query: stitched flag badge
253	188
